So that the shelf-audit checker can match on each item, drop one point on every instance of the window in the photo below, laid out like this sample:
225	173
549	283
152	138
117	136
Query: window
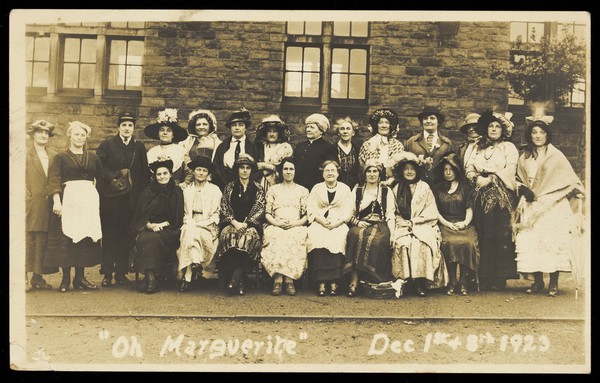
527	32
351	28
37	56
330	69
79	63
349	73
125	64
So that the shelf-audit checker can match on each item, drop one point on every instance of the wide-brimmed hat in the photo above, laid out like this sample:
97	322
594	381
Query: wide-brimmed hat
167	117
41	125
454	161
318	119
470	121
273	122
388	114
241	114
245	159
490	116
399	160
125	116
201	113
202	162
162	163
431	110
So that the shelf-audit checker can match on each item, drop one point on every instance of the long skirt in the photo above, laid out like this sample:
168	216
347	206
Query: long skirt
237	251
368	252
324	266
198	245
496	247
35	253
62	252
115	214
413	259
156	250
284	251
546	246
461	246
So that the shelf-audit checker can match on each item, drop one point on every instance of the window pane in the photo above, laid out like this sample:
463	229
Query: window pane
357	86
28	48
339	61
135	52
70	75
118	51
293	83
40	74
87	76
42	49
536	32
293	60
71	50
295	27
518	30
136	24
578	96
116	77
88	50
119	24
310	85
339	85
313	28
360	28
28	66
358	61
341	28
134	78
312	59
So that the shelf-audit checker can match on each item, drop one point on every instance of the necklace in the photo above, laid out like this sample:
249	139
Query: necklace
331	188
487	157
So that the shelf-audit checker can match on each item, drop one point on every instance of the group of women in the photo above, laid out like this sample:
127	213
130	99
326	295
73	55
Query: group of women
330	213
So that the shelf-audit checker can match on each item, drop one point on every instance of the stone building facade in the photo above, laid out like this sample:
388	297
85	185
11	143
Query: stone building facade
222	66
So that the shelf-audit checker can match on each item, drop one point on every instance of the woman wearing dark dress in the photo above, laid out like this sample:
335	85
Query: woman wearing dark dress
460	245
346	151
156	224
74	230
242	215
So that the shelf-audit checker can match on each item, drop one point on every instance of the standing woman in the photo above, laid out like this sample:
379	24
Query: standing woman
74	230
242	216
492	174
37	205
544	217
202	139
284	243
346	151
168	133
416	255
468	148
156	224
368	249
272	146
383	146
329	207
199	234
120	151
460	245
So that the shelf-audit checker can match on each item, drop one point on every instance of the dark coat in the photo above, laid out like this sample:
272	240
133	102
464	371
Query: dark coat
309	158
417	145
351	177
223	175
37	203
114	156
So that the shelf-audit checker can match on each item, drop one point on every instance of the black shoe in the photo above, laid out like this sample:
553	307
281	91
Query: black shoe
184	286
107	280
121	279
321	291
535	288
241	289
553	291
352	290
277	288
152	285
83	284
333	291
40	284
420	292
290	289
64	286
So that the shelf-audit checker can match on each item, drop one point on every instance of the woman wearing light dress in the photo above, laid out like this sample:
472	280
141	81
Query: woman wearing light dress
284	242
272	146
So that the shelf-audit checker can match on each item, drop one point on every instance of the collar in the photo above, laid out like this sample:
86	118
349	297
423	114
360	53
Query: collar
312	141
241	139
123	139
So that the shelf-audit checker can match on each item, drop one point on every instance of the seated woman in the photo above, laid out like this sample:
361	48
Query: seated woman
284	243
368	248
329	207
460	246
156	224
199	234
242	216
416	255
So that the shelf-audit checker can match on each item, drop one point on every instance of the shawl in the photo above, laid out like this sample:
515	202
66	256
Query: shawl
149	199
256	213
340	207
424	217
